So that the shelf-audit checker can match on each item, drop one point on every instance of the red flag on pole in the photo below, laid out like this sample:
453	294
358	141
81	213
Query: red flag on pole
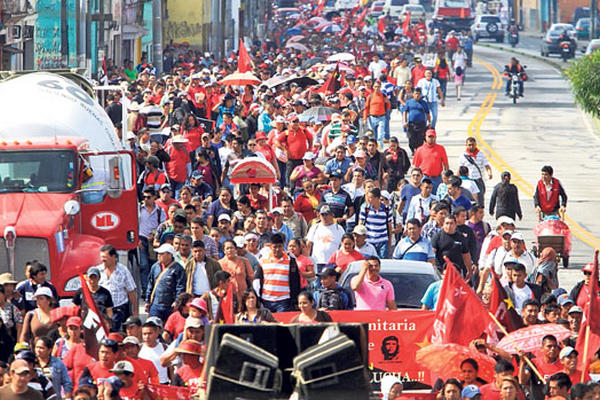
381	27
501	306
588	340
161	392
460	315
361	17
406	24
244	61
93	326
332	84
226	306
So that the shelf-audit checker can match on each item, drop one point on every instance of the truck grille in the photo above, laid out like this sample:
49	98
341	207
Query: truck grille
26	249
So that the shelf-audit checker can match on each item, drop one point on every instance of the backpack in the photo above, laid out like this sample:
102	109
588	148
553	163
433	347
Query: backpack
331	299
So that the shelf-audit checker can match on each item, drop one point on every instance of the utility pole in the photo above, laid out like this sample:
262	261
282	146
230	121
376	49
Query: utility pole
593	17
157	46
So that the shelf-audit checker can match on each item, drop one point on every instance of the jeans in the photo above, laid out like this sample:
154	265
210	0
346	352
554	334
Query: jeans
160	312
386	133
469	57
377	124
509	84
443	85
416	135
481	186
120	314
278	306
282	170
436	180
433	108
144	263
382	249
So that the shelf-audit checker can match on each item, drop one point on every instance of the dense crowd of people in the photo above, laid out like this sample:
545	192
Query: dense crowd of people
346	191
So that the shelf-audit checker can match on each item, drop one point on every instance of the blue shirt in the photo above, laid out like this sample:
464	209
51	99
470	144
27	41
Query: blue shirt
407	193
286	231
431	295
461	200
264	122
420	251
338	202
417	110
334	164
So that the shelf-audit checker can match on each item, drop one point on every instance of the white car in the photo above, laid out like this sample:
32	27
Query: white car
487	27
594	45
393	8
416	12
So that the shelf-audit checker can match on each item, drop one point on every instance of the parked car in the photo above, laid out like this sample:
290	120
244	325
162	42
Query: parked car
580	12
393	8
377	9
593	46
550	43
583	28
488	27
416	12
409	278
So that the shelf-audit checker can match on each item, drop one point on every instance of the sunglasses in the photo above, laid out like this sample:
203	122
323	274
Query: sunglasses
147	197
587	273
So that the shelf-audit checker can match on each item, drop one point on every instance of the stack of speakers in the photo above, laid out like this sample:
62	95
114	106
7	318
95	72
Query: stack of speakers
273	361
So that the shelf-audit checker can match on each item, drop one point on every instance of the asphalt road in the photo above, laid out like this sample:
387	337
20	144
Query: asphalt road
545	127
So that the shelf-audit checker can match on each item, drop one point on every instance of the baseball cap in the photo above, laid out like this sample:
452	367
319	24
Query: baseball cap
505	220
517	236
224	217
337	174
93	271
239	241
189	347
193	323
417	59
564	299
74	321
154	321
309	155
511	260
131	340
430	132
278	210
470	391
325	209
197	174
122	366
165	248
19	366
351	139
360	230
43	291
589	267
575	309
7	278
250	236
509	233
567	351
133	321
360	154
165	186
327	272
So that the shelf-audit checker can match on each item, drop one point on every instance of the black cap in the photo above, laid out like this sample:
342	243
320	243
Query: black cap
26	355
133	321
327	272
337	174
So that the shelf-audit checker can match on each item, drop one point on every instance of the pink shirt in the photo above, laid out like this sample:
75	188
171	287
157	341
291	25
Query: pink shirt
373	295
303	263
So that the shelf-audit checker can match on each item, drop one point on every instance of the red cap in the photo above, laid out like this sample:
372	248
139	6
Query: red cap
116	336
260	135
74	321
589	267
430	132
189	347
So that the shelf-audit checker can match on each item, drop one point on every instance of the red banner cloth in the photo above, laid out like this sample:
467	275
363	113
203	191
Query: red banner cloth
592	320
502	307
167	392
394	338
460	315
244	61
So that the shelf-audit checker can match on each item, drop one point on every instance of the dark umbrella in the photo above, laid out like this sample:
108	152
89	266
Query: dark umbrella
311	61
317	114
302	81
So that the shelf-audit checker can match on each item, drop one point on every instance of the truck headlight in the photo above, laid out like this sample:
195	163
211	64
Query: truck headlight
73	284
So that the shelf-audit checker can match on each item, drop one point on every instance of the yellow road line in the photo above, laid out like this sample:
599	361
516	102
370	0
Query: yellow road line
474	129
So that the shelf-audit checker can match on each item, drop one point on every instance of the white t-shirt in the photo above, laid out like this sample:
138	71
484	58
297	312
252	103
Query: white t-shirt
429	89
325	239
153	354
367	250
470	185
201	284
459	60
521	295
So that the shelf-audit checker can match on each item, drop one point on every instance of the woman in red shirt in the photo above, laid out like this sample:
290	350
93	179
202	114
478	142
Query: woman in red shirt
190	373
308	201
345	255
442	72
306	266
176	321
192	132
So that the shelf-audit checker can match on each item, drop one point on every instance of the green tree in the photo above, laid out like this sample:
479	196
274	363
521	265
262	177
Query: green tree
584	75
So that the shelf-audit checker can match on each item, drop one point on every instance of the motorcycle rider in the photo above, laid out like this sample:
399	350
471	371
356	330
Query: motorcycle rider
513	29
514	68
565	37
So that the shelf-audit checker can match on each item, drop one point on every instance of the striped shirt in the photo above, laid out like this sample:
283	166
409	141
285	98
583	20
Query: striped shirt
153	117
276	277
376	222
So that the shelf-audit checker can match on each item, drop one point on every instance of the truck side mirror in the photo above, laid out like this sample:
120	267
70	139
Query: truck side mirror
115	187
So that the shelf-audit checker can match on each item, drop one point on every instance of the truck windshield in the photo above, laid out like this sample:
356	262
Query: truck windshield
455	3
37	171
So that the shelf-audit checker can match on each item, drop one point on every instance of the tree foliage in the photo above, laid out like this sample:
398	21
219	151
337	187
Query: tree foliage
584	75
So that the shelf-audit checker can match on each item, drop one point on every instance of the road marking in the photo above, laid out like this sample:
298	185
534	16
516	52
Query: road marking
474	129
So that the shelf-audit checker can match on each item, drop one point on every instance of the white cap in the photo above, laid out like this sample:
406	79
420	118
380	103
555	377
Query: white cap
505	220
131	135
517	236
224	216
123	366
165	248
43	291
277	210
239	241
131	340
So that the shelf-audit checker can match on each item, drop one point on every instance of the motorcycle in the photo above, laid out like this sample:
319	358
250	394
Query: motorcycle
515	82
565	50
513	39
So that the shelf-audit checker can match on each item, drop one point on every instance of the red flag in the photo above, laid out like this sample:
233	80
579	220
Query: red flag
161	392
406	24
244	61
361	17
93	326
332	84
320	8
588	340
460	315
502	307
381	27
226	306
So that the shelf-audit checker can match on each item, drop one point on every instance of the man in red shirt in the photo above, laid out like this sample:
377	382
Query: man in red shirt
165	199
296	141
144	369
546	362
418	71
432	159
180	166
568	358
491	391
101	369
190	373
132	388
452	44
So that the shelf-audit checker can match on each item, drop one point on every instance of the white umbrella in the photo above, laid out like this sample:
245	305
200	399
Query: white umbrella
297	46
317	21
295	38
341	57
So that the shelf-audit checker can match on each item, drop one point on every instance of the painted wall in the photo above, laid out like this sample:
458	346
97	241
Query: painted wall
48	39
187	21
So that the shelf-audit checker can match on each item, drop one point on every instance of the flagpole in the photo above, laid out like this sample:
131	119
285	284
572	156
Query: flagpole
586	345
527	360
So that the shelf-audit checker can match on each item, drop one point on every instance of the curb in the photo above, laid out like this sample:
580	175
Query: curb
552	63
